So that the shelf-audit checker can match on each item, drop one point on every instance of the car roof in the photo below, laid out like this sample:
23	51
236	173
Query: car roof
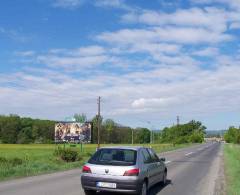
124	147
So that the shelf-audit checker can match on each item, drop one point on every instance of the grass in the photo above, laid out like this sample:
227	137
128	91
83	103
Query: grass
232	168
37	159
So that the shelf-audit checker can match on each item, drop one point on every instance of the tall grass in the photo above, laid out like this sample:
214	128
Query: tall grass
232	168
39	158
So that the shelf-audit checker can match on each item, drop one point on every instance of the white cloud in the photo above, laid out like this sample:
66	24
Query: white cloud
155	48
210	18
150	70
81	51
67	3
15	35
235	25
183	35
77	59
151	102
91	50
111	3
187	90
234	4
120	4
184	26
72	63
25	53
208	52
203	1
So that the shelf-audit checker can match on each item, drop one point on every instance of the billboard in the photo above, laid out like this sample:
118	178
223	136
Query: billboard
73	132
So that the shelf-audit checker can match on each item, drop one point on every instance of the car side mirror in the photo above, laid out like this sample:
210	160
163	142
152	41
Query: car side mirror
162	159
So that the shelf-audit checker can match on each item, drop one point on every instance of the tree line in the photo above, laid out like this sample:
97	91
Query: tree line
191	132
15	129
232	135
111	132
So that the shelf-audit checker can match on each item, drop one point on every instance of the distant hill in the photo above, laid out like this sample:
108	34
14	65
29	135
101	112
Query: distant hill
209	133
215	133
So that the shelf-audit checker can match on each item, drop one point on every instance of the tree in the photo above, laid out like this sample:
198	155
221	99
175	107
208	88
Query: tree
142	135
232	135
14	129
197	137
95	129
25	136
10	127
109	126
81	118
192	131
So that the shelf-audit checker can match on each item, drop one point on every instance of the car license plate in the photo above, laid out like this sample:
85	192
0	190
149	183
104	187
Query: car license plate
106	185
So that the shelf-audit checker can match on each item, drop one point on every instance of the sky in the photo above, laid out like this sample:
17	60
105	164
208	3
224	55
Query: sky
149	60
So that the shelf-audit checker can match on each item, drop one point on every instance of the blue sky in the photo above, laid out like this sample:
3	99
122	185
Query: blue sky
148	60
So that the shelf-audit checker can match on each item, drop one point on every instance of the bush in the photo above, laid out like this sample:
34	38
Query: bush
58	152
181	140
79	158
89	154
232	135
67	155
16	161
196	138
13	162
3	160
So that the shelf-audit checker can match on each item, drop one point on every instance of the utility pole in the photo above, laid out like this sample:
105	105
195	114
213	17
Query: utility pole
151	135
132	136
177	126
178	120
99	118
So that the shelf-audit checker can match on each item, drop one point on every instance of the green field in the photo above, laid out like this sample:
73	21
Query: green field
39	158
232	168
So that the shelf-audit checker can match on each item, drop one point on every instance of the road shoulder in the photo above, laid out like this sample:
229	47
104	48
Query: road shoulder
214	182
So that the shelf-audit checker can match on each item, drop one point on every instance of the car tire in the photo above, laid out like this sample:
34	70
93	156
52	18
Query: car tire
164	180
89	192
144	189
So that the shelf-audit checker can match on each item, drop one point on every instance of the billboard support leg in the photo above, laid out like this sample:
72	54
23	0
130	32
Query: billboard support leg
81	147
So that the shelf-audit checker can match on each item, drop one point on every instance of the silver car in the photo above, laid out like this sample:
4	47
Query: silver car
130	170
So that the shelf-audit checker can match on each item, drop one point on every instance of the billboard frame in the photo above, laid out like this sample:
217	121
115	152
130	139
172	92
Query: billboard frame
59	141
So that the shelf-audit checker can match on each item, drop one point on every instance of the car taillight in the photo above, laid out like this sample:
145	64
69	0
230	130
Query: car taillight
131	172
86	169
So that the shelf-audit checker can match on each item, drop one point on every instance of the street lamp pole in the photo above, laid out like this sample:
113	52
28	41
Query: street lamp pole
98	121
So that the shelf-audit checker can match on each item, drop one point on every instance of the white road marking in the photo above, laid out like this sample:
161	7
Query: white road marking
188	153
167	162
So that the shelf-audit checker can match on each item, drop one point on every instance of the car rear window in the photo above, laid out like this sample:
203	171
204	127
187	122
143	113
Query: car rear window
113	156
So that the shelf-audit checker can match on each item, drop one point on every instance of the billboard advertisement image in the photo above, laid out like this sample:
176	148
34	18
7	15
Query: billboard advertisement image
73	132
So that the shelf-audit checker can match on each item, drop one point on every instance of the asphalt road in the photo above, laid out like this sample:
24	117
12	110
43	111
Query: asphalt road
192	170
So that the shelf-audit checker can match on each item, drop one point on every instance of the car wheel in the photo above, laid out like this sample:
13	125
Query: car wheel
144	189
164	180
89	192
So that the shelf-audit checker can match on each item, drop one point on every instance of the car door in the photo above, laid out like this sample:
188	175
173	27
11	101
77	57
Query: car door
152	164
149	167
158	164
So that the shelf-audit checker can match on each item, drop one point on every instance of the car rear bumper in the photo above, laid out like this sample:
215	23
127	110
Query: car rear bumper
124	184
